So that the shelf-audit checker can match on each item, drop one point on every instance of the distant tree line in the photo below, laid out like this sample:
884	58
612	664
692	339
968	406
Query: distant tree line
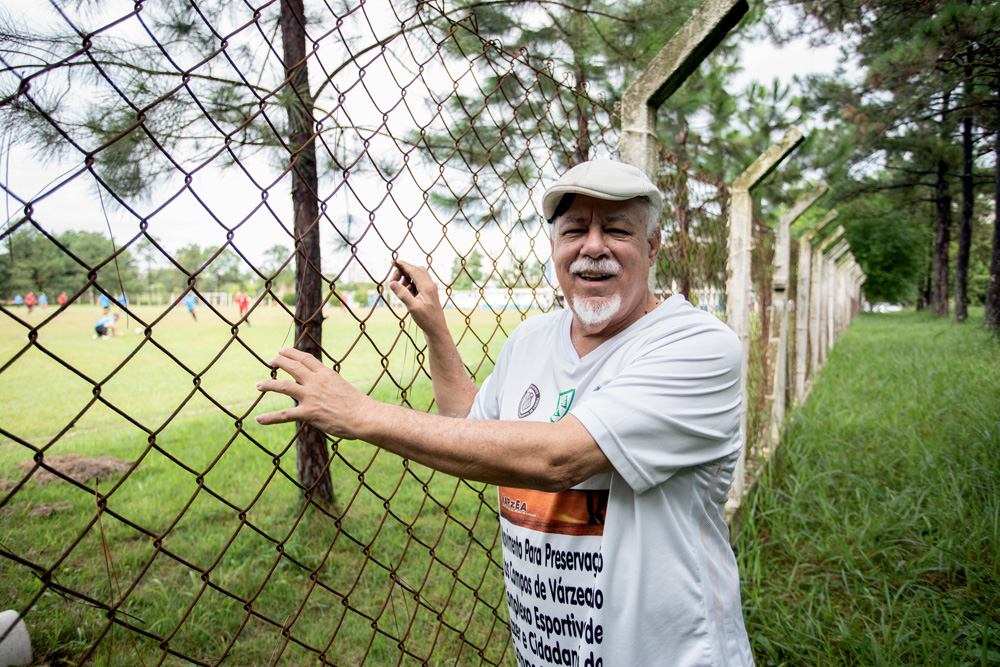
33	262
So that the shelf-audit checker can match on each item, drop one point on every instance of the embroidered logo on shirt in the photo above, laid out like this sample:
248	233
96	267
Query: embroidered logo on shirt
528	402
563	404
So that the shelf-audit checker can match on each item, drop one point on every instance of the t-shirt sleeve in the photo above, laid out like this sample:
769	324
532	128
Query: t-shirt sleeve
676	405
487	402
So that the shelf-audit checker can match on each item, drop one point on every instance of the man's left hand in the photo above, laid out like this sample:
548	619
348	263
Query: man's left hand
325	399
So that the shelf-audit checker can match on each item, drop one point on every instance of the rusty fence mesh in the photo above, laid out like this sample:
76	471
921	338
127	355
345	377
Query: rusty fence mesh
693	260
169	164
695	245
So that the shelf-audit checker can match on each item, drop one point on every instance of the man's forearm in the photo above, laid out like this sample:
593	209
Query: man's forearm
454	390
537	455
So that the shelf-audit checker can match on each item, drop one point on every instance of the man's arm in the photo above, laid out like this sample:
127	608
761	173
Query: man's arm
454	390
535	455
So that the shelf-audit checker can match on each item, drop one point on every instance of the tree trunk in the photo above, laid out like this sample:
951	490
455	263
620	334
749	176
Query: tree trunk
310	446
683	209
924	293
965	233
582	152
942	233
968	196
992	318
942	239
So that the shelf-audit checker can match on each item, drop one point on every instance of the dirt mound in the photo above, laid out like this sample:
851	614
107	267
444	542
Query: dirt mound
77	467
39	510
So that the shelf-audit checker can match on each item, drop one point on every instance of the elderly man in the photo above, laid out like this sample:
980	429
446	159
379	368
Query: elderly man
610	428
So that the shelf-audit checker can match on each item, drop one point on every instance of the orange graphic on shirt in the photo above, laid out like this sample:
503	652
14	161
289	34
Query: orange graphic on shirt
574	512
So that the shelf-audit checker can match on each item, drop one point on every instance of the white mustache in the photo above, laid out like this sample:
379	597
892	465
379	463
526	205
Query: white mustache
606	266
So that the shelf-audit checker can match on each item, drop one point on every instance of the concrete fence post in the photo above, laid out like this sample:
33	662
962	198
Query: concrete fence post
777	347
858	276
658	81
738	271
845	263
831	311
852	289
818	304
665	73
805	304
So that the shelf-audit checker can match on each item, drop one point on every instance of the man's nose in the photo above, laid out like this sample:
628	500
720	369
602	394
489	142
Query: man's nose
594	244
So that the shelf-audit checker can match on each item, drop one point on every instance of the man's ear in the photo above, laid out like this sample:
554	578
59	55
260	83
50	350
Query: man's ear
654	247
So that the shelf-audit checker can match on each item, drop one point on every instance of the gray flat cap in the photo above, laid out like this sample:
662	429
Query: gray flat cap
602	179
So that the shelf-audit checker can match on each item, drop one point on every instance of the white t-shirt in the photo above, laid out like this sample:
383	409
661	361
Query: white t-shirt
634	567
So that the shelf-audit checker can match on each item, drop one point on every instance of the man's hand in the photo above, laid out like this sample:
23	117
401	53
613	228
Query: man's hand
414	286
325	400
454	390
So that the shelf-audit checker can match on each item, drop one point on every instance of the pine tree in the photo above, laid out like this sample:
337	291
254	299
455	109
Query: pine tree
917	57
535	122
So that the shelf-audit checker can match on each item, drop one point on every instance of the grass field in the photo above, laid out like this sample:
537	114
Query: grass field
205	549
873	538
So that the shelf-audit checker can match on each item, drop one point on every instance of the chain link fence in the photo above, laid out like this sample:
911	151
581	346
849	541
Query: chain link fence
760	379
692	262
144	517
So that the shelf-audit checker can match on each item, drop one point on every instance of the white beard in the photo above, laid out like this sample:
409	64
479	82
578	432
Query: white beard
596	310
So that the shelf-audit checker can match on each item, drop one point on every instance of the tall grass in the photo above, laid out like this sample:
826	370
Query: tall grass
873	538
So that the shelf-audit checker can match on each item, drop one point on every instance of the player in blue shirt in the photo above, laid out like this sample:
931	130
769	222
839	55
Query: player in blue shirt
106	326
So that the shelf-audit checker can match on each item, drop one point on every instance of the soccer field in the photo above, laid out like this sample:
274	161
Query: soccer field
206	541
47	385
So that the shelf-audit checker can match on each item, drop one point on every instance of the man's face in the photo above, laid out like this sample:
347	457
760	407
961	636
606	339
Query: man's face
602	258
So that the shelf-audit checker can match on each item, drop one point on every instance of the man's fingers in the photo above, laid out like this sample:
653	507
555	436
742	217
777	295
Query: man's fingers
311	378
403	275
403	293
291	389
304	358
406	284
279	417
290	366
416	275
288	388
405	268
397	274
294	361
